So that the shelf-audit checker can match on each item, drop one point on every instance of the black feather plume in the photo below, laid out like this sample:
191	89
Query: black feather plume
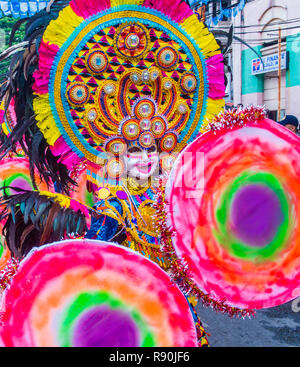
32	220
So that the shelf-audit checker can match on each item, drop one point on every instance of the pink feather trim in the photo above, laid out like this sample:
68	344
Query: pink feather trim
76	206
86	9
175	9
67	156
215	75
2	112
47	53
11	109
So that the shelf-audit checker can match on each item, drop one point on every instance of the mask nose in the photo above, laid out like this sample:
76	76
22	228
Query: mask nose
144	155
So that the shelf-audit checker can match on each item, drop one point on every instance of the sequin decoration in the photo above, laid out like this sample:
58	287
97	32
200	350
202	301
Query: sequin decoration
182	108
168	142
110	89
116	146
121	195
145	124
146	139
92	115
167	161
130	129
78	94
115	168
135	77
167	58
154	74
96	61
103	193
132	41
94	294
167	84
159	127
144	109
188	83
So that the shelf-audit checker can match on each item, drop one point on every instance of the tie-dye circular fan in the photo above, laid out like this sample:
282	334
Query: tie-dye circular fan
5	255
234	203
15	173
94	294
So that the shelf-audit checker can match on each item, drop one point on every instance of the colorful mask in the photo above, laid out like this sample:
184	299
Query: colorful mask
113	74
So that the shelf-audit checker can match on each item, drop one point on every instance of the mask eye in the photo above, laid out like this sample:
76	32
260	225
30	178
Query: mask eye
134	150
152	149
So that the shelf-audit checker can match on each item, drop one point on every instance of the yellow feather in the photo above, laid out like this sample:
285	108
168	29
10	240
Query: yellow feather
62	200
4	128
60	29
214	106
45	120
114	3
201	35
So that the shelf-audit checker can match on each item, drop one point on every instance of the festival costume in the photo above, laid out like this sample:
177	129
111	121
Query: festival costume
107	77
122	74
128	83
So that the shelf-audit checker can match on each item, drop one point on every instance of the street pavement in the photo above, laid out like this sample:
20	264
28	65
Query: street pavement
273	327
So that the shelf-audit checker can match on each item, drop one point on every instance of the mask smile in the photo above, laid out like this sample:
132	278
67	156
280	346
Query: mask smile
141	163
144	167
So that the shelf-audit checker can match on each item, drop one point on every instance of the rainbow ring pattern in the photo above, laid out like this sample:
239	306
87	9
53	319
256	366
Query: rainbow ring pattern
94	294
235	207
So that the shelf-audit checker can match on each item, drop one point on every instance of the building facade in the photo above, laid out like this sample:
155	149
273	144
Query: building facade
268	26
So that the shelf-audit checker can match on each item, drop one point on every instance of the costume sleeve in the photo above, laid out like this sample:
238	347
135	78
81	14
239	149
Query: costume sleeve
106	226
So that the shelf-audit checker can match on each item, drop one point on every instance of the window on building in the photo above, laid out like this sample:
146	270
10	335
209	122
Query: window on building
216	8
273	115
225	5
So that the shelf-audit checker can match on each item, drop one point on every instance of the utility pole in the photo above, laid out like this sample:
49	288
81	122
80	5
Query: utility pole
279	75
200	12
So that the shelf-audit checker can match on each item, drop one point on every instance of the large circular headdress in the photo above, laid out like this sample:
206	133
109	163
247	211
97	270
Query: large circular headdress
137	70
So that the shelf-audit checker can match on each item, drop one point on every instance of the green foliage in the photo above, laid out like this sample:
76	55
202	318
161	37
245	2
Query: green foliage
6	25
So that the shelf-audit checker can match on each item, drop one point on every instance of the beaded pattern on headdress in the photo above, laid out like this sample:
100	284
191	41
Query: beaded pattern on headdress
104	58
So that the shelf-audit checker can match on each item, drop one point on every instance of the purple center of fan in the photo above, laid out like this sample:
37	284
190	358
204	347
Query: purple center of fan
256	215
20	183
105	327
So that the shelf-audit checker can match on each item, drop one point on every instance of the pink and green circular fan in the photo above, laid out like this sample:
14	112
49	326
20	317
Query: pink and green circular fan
85	293
15	173
234	203
4	252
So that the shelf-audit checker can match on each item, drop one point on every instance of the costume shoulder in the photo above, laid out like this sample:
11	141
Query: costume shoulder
107	220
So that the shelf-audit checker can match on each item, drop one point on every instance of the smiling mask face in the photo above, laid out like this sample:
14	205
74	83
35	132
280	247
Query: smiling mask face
141	163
